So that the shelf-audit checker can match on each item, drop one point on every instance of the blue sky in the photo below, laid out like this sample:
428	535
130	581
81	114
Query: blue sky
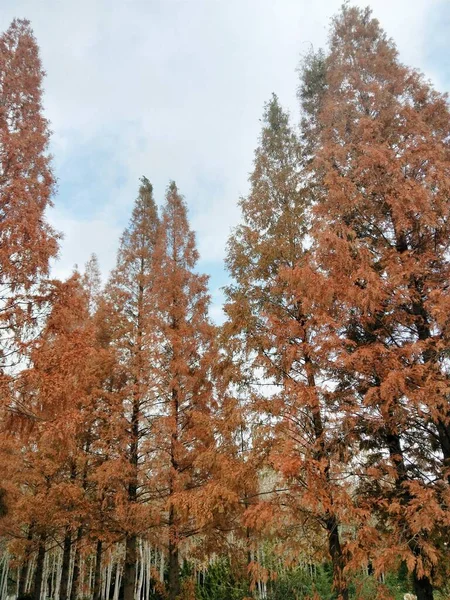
174	89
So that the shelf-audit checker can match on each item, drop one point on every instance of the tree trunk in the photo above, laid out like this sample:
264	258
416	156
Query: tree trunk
129	569
332	524
423	588
337	558
422	585
22	579
97	588
65	567
174	568
25	564
39	572
76	566
444	438
422	321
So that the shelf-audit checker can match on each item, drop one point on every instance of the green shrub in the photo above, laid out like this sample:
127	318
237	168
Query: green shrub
300	583
221	582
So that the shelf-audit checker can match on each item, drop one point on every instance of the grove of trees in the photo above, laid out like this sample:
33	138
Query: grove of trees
301	449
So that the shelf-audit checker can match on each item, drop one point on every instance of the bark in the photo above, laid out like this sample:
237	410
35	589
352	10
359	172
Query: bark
65	567
76	566
422	320
422	584
444	438
39	572
97	588
331	521
173	567
130	564
22	579
25	563
423	588
129	571
337	558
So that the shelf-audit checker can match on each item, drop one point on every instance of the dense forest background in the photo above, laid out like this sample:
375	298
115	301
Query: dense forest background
301	449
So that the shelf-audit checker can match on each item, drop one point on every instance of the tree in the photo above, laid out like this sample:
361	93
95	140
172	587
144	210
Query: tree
27	242
381	238
183	356
276	309
126	323
61	385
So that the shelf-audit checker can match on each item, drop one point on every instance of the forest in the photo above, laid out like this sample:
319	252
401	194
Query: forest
301	449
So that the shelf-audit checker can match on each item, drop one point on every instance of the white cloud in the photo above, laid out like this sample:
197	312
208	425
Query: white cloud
81	239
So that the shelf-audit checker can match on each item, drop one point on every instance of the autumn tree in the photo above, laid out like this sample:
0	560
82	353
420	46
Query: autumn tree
60	385
27	242
381	238
276	309
182	360
127	324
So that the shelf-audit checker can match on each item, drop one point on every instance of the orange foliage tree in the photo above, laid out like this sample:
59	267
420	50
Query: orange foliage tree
125	313
50	470
381	236
280	309
183	357
27	242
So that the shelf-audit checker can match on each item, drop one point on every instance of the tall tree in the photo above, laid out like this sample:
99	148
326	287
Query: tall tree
183	356
381	233
126	311
278	322
27	242
61	385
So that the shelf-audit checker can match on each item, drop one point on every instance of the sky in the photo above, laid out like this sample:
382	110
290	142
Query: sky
175	90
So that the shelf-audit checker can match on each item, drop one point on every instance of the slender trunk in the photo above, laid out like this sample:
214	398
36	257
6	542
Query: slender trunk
129	569
25	564
39	572
130	563
97	591
423	588
331	522
337	558
173	567
422	584
246	505
22	579
444	438
76	566
422	322
65	567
